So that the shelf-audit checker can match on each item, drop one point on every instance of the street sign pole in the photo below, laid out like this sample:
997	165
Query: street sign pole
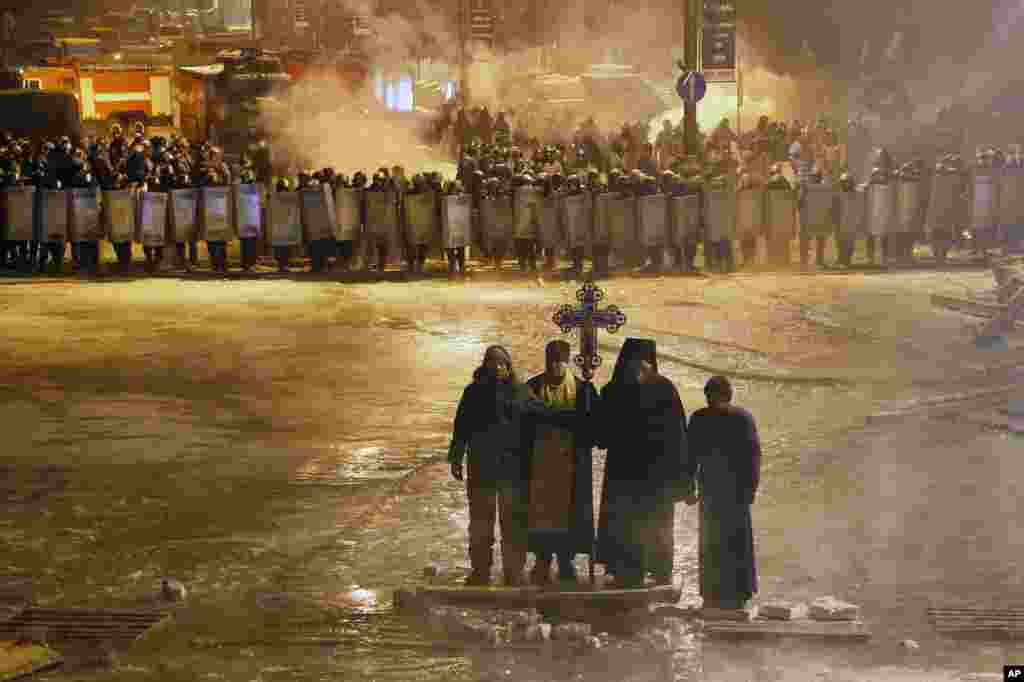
690	57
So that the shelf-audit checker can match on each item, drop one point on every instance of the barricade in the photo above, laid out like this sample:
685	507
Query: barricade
84	221
749	213
348	211
652	220
54	209
818	210
284	219
120	213
577	219
215	215
152	223
18	211
422	224
456	220
780	209
720	214
247	203
184	216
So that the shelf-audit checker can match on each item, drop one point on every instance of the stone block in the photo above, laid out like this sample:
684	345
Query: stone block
571	632
782	610
832	609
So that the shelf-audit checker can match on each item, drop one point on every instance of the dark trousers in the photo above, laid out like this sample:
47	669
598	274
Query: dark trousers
218	252
123	251
193	254
383	253
602	264
721	256
282	254
805	244
55	252
577	259
456	260
89	255
493	496
154	256
880	245
846	248
320	252
250	251
416	256
748	248
526	254
344	252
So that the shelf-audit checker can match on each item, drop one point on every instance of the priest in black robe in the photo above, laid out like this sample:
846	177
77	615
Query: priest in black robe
726	451
643	427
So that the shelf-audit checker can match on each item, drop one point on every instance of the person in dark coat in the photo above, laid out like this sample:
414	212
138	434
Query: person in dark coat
489	425
726	455
559	471
643	427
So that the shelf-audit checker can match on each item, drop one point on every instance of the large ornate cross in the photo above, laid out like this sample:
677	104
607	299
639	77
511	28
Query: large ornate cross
588	318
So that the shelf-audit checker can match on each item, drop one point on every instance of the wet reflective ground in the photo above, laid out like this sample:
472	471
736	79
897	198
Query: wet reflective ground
278	446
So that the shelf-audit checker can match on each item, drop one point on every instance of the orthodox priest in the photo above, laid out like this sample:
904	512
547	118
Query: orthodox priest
648	469
559	469
726	452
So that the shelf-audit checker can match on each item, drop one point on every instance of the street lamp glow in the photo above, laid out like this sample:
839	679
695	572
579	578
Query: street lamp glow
117	56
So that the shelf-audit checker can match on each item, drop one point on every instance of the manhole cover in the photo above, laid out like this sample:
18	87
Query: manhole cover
63	625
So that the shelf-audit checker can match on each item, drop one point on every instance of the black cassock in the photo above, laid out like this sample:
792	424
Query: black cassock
643	427
727	453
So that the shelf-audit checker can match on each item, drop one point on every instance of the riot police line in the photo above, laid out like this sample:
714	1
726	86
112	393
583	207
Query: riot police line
596	223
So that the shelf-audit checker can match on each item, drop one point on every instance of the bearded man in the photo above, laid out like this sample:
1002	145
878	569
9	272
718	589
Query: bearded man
559	470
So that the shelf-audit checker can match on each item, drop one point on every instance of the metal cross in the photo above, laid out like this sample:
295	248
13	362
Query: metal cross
588	318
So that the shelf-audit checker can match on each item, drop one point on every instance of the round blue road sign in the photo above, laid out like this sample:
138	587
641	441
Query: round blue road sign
692	87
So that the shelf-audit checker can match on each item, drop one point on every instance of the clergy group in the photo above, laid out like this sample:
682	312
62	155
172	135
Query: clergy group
525	452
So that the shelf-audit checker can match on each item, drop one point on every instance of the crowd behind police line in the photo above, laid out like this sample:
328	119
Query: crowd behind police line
734	190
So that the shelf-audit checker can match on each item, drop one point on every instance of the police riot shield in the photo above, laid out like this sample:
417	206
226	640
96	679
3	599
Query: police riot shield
652	220
119	215
421	219
18	205
153	218
881	209
284	219
53	215
577	218
456	220
183	214
316	206
910	207
215	224
853	210
1011	203
947	205
382	225
248	210
622	224
602	235
818	210
684	219
85	224
720	214
527	210
497	218
780	209
549	223
348	211
985	203
749	213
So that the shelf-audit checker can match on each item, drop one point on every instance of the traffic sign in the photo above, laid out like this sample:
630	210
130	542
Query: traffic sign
692	87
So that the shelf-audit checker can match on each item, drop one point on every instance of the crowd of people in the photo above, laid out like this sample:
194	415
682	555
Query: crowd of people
528	446
495	163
